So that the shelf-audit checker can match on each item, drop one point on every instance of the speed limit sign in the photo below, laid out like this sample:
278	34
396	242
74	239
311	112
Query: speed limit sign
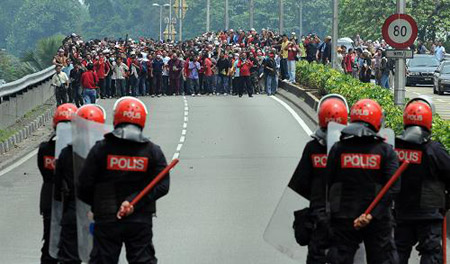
400	31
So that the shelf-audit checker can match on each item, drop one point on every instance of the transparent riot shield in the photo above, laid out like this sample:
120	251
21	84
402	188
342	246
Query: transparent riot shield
85	135
63	138
388	135
333	134
279	232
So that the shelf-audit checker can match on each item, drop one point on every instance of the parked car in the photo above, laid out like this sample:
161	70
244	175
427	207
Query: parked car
442	78
420	69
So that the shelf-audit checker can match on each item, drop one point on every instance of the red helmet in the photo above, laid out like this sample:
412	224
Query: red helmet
130	110
332	108
418	113
64	113
367	111
92	112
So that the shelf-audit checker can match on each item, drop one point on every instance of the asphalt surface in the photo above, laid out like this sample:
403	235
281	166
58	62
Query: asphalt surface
236	158
442	102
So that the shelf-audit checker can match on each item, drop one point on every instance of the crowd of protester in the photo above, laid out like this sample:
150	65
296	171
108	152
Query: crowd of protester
367	61
221	63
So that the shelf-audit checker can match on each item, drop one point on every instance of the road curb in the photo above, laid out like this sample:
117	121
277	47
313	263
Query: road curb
302	94
26	131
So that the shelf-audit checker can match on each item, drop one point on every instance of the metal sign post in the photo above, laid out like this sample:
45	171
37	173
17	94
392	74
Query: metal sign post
400	67
400	32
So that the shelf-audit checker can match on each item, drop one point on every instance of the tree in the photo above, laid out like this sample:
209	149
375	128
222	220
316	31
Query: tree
7	14
43	18
43	55
366	18
118	18
317	16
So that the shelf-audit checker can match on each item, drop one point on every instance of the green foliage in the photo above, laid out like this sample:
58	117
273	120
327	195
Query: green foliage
117	18
11	68
317	16
42	56
366	18
7	13
327	80
38	19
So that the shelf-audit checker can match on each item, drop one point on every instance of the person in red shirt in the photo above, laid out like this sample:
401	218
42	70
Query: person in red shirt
244	66
101	68
208	72
348	62
89	81
292	58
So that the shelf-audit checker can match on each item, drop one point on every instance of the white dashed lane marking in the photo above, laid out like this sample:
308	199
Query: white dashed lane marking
184	131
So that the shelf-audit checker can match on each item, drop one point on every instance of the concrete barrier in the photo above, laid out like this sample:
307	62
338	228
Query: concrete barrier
17	105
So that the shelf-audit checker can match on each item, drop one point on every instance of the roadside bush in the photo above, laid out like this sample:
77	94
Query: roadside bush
327	80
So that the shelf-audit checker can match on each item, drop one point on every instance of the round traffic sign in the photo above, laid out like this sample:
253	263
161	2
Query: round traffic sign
400	31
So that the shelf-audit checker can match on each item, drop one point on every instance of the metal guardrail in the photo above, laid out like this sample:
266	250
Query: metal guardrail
17	86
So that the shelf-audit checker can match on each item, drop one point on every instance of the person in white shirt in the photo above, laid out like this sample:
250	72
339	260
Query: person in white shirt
61	82
165	74
439	51
120	71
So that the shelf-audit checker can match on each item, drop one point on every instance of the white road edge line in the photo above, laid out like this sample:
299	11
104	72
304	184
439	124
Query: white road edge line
19	162
295	115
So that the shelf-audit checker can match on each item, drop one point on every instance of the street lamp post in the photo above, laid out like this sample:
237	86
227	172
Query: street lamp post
160	19
252	7
180	7
226	16
335	35
208	6
170	19
281	16
300	18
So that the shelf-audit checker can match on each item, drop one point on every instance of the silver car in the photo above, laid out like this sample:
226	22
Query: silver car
442	78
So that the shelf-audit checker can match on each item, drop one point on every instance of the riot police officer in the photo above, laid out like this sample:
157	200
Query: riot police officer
115	171
46	165
357	168
309	179
420	206
65	191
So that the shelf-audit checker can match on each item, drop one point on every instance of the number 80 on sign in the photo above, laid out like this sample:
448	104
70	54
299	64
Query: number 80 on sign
400	31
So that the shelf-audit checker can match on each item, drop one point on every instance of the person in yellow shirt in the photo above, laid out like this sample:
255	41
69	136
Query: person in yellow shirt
284	57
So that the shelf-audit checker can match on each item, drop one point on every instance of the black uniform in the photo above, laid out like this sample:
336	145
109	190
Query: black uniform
114	171
65	191
309	181
420	206
358	167
46	164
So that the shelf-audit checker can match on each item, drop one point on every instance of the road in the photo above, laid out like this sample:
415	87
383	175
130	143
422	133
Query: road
236	158
237	155
442	102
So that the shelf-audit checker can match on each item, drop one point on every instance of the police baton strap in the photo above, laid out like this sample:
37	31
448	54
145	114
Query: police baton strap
386	187
149	187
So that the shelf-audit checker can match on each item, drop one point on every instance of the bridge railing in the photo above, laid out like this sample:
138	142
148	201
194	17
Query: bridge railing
20	97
